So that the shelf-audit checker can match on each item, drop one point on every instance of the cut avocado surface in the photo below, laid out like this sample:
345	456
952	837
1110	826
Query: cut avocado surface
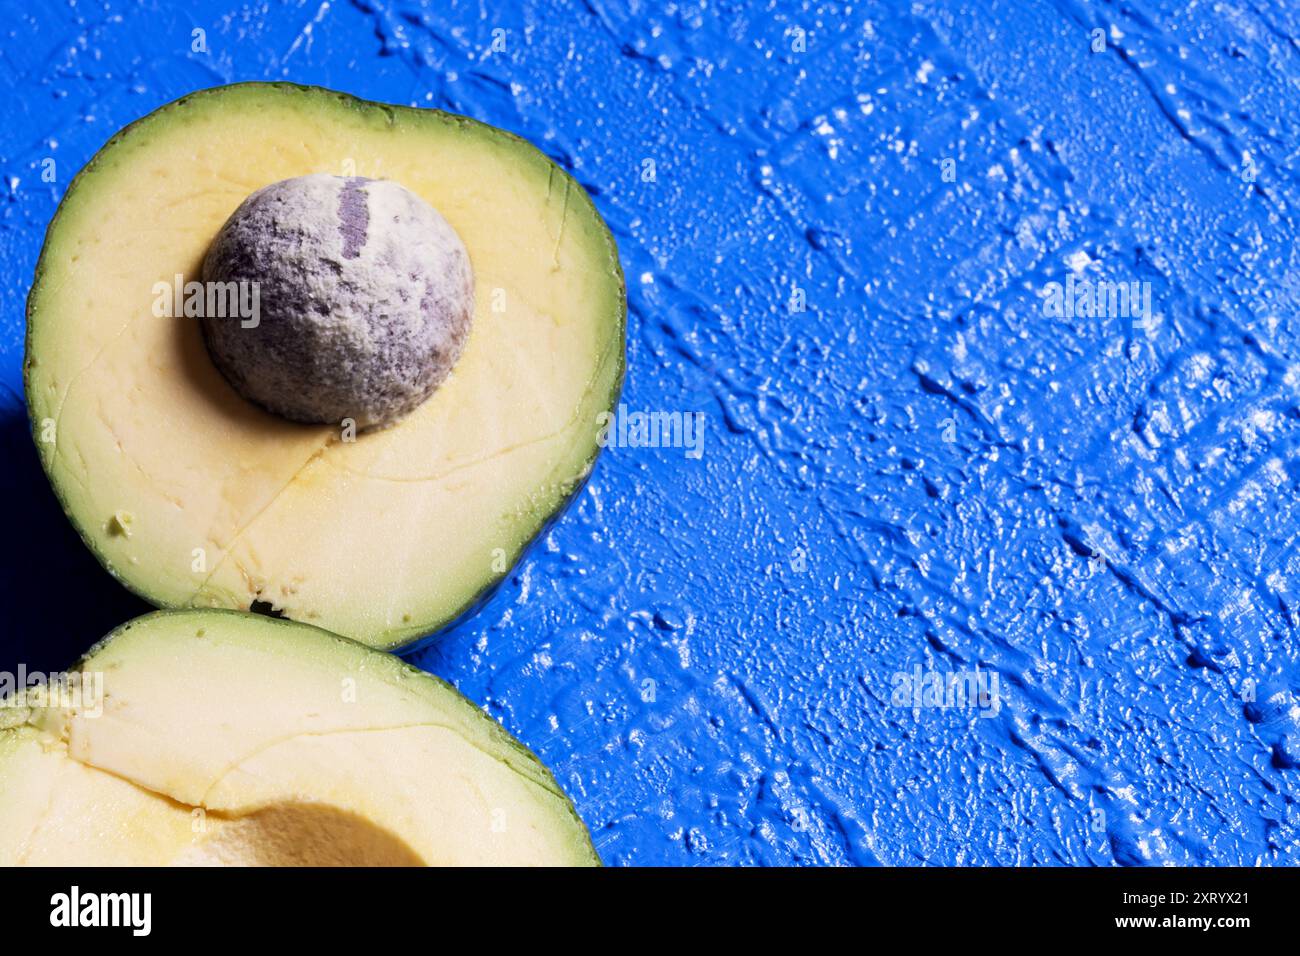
193	495
221	738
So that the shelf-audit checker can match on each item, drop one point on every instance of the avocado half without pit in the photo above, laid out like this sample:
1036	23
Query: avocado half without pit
220	738
293	351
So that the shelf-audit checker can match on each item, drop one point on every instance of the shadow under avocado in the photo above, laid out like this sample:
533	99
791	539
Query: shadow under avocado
56	599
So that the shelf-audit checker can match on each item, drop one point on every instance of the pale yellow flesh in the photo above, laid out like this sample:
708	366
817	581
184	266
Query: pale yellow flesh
377	539
228	739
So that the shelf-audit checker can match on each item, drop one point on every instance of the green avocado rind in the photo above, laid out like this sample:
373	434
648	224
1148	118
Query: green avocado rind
514	754
396	639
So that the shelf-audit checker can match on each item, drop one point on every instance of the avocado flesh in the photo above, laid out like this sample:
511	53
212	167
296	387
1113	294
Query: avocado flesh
194	497
232	739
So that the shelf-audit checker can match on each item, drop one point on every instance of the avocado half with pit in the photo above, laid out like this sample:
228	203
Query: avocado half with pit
296	352
219	738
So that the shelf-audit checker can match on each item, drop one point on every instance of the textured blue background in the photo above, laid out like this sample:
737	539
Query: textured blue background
1105	518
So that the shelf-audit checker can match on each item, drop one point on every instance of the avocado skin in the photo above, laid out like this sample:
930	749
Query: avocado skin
413	637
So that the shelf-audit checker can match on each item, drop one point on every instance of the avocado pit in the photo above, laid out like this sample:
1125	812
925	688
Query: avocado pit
365	296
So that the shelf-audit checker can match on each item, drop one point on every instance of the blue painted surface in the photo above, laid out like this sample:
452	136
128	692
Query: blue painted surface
921	469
